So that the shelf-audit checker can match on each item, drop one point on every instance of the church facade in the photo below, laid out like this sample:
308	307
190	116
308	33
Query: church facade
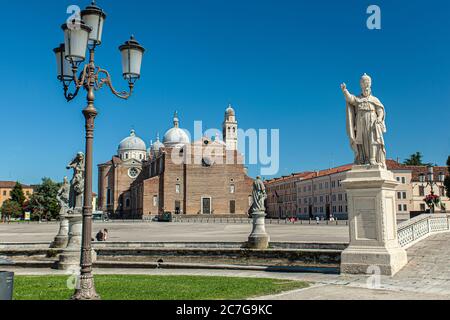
204	177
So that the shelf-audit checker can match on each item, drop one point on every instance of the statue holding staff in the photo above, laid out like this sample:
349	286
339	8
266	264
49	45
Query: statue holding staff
366	125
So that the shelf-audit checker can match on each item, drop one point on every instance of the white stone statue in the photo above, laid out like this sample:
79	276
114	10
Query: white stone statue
62	237
366	125
77	182
259	196
63	197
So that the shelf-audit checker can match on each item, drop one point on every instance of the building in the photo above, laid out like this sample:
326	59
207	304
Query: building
176	175
282	195
321	194
7	186
416	191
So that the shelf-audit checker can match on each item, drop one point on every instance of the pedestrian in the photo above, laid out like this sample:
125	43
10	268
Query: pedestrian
105	235
100	236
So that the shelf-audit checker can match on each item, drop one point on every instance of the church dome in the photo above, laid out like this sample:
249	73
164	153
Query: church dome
132	143
176	136
156	147
230	111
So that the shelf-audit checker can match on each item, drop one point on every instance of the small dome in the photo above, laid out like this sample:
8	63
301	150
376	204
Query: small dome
230	111
156	147
132	143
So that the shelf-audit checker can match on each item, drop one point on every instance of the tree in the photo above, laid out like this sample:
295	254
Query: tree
43	202
414	160
447	178
11	209
17	195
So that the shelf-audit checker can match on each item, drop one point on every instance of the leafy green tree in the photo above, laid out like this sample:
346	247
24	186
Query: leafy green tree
11	209
447	178
414	160
43	202
17	195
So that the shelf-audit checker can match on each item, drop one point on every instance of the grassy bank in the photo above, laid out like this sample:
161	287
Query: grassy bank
124	287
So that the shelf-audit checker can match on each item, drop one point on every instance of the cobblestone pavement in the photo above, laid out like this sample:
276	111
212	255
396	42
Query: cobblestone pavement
193	232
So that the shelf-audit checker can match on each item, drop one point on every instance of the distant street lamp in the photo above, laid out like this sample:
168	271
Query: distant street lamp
81	35
428	180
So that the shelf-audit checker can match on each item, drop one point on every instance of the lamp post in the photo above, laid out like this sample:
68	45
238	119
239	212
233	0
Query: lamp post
428	180
80	36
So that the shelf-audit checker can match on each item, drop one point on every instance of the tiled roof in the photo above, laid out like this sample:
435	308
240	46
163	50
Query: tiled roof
416	170
293	176
11	184
115	160
391	165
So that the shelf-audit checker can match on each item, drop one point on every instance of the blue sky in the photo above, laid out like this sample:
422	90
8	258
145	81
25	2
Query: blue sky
280	64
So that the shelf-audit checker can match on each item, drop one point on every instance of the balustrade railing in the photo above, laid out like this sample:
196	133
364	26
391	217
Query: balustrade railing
412	231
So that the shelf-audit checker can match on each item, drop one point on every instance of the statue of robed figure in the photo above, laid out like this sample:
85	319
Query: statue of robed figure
77	182
259	196
63	197
366	125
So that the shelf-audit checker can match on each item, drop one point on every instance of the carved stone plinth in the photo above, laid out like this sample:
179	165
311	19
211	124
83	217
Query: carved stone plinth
62	239
70	258
373	224
259	239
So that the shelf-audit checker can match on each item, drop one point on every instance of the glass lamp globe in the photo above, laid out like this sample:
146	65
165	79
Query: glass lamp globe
94	17
64	67
76	35
132	53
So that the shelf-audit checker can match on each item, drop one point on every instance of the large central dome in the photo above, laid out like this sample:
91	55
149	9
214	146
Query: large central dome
176	136
132	143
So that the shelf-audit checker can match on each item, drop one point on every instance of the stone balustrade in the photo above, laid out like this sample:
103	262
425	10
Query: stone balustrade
420	227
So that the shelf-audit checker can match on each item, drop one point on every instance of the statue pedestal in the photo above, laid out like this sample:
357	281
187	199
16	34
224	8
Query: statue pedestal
259	239
373	224
62	239
70	258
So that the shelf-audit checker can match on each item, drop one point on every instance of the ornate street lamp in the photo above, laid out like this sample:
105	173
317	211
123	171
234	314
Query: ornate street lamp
428	180
79	37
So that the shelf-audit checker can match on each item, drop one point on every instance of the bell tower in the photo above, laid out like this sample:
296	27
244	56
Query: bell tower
230	129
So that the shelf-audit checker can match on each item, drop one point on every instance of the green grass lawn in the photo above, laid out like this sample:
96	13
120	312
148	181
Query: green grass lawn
123	287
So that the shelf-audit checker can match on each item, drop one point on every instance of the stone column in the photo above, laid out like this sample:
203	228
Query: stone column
62	239
259	239
70	258
373	223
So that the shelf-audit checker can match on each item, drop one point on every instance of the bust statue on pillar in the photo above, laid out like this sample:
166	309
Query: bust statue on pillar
370	189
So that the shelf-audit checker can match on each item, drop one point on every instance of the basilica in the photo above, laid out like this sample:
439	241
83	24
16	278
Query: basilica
175	175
